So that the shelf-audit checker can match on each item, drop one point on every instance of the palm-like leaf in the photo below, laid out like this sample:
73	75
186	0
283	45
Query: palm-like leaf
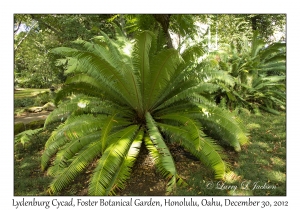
111	161
122	93
258	72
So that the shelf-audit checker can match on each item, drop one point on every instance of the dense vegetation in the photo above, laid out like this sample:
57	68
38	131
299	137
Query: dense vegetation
132	81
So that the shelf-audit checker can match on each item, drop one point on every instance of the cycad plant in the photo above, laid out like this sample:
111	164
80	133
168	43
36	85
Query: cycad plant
121	94
258	70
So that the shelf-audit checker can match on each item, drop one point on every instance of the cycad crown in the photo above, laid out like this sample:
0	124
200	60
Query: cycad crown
125	94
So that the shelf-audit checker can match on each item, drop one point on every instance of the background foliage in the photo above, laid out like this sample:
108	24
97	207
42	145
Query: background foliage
37	34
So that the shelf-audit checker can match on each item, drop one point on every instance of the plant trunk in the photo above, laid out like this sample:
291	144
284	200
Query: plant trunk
164	21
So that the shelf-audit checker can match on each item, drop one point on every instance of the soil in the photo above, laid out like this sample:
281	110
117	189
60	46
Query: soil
146	180
27	117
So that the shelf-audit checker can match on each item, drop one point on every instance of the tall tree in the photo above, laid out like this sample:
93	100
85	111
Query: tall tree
164	21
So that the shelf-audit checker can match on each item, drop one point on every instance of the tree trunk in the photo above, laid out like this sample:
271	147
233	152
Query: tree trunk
254	22
164	21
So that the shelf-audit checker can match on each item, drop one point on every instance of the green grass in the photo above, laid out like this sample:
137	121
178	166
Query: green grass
28	92
263	162
26	98
28	178
259	169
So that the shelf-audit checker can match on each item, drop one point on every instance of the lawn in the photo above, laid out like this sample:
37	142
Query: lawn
28	92
259	169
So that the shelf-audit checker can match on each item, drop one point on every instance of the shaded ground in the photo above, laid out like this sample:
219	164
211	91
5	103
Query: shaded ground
30	117
146	181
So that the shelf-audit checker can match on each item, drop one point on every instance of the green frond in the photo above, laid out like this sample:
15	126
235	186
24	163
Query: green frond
257	44
82	104
278	58
123	173
273	49
179	106
105	48
174	132
160	152
110	162
78	88
222	125
77	165
210	153
113	55
71	150
106	128
274	79
118	30
61	113
140	58
183	24
193	127
72	66
204	88
162	67
73	128
101	69
180	96
193	53
176	85
280	67
24	136
91	47
270	110
264	83
217	76
83	78
185	101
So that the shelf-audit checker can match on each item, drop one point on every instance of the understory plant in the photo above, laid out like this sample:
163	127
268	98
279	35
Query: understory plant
258	71
121	94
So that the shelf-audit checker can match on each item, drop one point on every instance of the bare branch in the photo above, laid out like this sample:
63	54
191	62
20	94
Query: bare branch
15	30
20	42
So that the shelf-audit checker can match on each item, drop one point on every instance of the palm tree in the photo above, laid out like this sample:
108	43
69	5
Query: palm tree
123	94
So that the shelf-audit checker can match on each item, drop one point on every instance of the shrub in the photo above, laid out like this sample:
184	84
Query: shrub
23	102
125	94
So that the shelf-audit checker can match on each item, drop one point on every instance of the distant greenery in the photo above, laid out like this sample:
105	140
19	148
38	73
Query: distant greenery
257	72
23	102
28	92
25	98
36	34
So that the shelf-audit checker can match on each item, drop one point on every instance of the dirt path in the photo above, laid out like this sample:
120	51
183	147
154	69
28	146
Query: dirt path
30	117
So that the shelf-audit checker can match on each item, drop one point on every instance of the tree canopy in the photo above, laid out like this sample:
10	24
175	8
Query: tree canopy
37	34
